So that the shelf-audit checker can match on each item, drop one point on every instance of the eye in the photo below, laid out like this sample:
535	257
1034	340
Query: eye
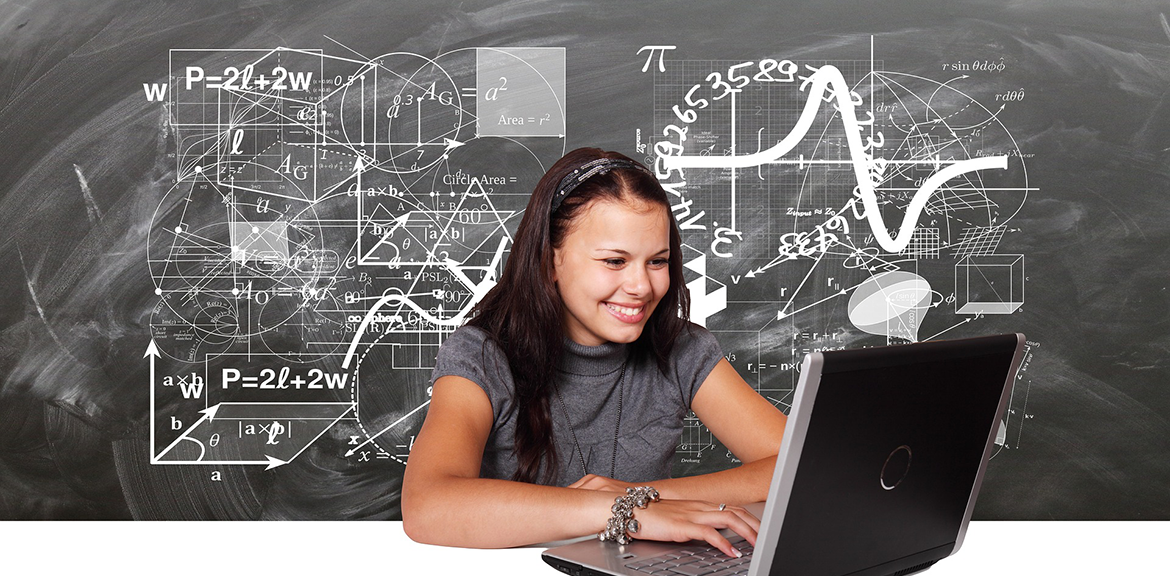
614	262
660	263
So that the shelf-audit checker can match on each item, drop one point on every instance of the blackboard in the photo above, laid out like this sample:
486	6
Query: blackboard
235	233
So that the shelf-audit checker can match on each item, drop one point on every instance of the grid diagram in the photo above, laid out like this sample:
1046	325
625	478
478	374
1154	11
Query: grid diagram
978	241
924	244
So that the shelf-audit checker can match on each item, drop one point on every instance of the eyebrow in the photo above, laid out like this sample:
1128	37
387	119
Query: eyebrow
624	253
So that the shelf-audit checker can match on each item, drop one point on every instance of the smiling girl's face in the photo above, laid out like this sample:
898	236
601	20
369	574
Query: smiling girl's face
612	269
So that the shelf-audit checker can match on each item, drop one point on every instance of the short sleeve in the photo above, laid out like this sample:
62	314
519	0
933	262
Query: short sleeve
470	353
695	354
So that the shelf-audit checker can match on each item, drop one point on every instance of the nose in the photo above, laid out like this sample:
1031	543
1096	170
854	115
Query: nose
637	281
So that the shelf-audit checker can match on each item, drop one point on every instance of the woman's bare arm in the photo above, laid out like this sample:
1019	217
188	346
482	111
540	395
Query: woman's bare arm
444	501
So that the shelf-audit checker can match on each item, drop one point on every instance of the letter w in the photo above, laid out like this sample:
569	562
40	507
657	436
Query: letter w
155	92
300	80
192	389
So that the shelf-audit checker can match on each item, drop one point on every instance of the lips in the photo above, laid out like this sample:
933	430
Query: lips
627	314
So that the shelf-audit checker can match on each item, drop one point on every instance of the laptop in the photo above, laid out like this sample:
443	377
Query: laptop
882	459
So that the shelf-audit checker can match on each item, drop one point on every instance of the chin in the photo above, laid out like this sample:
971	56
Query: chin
627	335
624	338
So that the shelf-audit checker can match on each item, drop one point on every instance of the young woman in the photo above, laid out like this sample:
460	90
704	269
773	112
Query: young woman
571	381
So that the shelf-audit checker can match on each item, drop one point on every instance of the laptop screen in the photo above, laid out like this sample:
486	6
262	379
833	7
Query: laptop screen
894	443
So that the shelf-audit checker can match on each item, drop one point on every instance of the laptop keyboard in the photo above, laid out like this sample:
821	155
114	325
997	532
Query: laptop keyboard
699	560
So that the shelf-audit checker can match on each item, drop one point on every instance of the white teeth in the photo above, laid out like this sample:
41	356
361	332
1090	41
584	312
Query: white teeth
625	311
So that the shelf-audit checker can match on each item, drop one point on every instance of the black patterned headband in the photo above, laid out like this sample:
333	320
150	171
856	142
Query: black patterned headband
587	171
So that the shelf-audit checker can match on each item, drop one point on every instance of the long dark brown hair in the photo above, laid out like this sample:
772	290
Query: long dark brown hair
522	313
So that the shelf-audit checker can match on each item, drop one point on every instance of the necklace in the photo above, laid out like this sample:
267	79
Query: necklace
621	394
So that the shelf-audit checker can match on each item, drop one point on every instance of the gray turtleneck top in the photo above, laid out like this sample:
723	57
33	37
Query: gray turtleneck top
653	407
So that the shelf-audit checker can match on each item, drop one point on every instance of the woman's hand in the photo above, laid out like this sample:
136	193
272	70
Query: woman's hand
683	520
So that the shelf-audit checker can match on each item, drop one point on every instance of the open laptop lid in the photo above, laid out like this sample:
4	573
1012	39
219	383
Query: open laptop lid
882	475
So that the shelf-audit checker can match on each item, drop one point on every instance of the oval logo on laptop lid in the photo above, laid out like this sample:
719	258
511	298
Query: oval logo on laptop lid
896	467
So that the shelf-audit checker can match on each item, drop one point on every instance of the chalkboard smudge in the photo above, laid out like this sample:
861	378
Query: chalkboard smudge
40	309
91	207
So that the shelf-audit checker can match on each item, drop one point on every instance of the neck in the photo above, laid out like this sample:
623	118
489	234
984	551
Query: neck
601	360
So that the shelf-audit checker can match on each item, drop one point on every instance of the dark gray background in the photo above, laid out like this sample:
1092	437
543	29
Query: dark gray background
77	291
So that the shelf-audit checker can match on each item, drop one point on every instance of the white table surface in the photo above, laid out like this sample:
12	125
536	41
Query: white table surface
344	548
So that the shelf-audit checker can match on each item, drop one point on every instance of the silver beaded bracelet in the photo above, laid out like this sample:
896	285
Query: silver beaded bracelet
619	528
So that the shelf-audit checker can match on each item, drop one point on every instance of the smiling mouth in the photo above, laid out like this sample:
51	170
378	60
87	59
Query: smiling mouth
626	314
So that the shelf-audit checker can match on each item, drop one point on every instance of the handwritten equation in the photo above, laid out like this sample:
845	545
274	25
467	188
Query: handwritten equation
332	219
